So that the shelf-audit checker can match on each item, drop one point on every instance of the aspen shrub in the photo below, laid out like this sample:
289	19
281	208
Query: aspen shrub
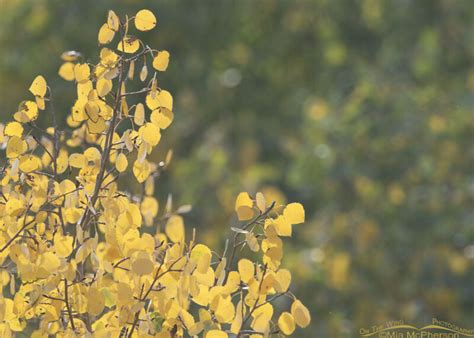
75	259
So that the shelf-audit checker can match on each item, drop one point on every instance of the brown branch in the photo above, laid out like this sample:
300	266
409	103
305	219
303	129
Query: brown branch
68	306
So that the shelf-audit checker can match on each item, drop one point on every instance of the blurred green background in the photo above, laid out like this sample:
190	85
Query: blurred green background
361	110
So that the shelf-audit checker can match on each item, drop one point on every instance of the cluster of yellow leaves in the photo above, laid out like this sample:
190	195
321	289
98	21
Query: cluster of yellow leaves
73	249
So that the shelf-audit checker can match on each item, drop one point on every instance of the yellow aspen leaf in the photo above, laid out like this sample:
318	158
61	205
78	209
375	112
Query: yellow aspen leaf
283	278
150	133
49	262
282	226
161	60
216	334
77	160
113	21
252	242
13	129
96	127
237	322
233	282
262	316
28	111
145	20
62	161
286	323
294	213
267	284
82	72
163	99
187	318
143	73
124	106
162	117
142	266
103	86
131	70
121	163
38	86
63	244
154	86
201	255
300	314
141	170
14	207
95	301
105	34
139	116
225	310
40	102
174	229
149	209
244	206
66	71
246	270
129	44
260	201
16	147
29	163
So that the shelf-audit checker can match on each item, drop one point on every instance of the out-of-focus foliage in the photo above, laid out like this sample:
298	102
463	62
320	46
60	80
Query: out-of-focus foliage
363	109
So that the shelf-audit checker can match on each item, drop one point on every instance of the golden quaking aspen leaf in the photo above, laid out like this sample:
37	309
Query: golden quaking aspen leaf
216	334
252	241
129	44
95	301
13	129
38	86
283	278
262	316
300	314
174	229
139	116
282	226
150	133
162	117
201	255
113	21
66	71
29	163
294	213
77	160
161	60
260	201
145	20
286	323
162	99
244	206
63	244
16	147
28	111
82	72
121	163
105	34
142	266
103	86
141	170
14	207
246	270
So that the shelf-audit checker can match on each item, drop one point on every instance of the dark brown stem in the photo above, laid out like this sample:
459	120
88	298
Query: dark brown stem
68	306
